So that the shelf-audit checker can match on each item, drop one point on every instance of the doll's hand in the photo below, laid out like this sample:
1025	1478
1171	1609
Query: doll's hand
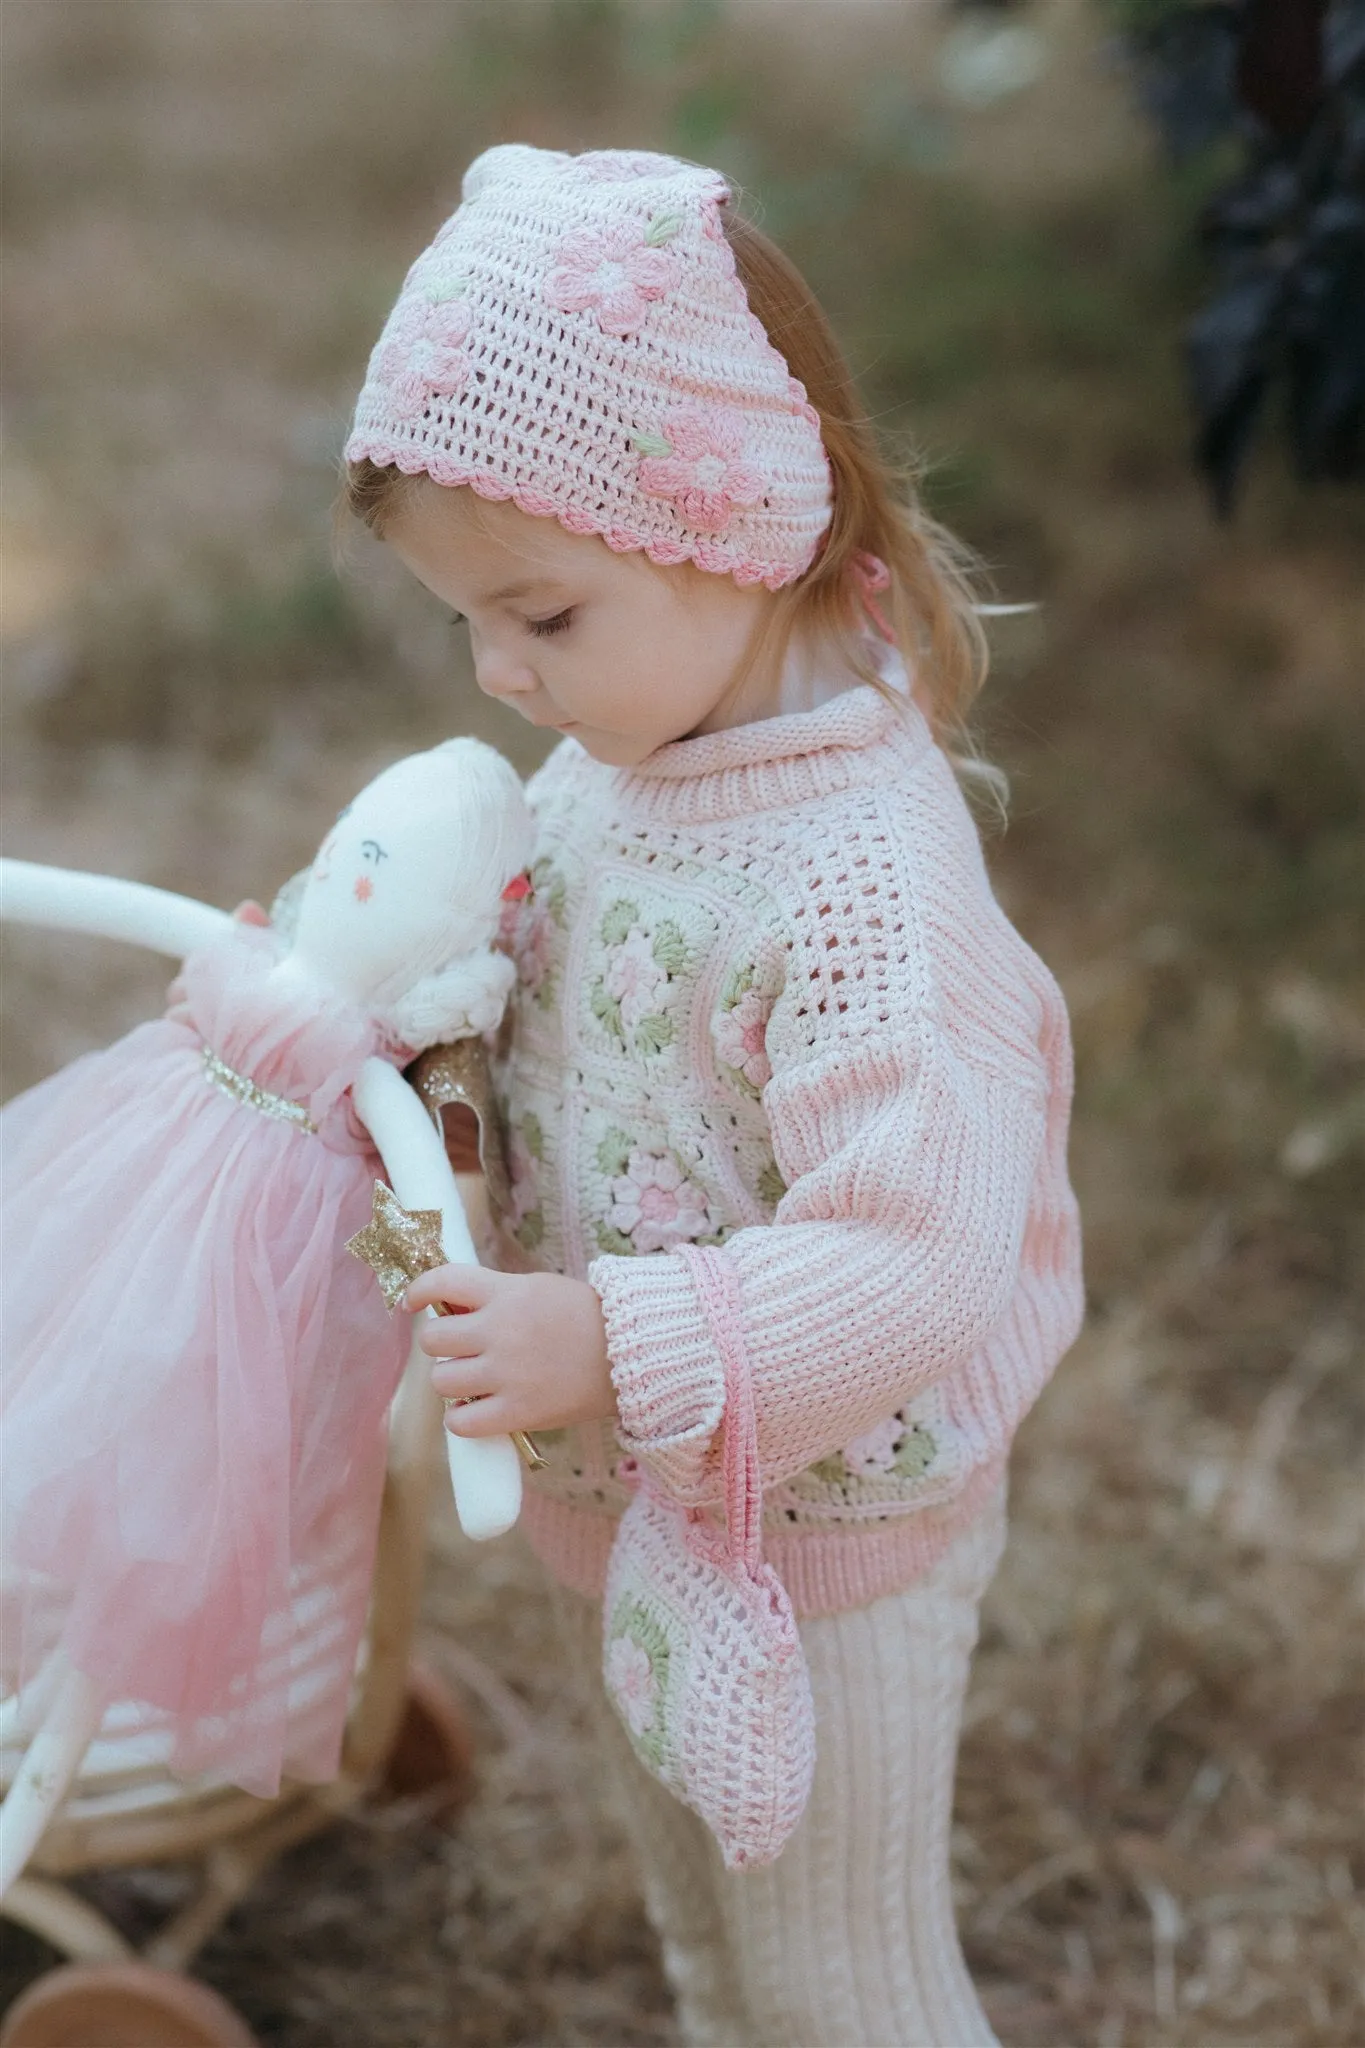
528	1351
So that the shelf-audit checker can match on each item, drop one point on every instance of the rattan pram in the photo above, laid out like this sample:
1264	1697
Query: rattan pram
126	1809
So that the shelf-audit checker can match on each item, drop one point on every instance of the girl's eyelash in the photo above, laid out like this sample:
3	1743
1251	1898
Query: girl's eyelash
542	628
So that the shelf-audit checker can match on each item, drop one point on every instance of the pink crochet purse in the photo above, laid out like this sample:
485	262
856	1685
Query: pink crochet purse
702	1659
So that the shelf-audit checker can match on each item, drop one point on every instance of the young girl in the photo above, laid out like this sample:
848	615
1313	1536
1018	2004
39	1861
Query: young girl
767	1004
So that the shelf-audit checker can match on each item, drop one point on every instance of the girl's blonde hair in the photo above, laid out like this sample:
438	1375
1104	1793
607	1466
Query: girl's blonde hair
877	511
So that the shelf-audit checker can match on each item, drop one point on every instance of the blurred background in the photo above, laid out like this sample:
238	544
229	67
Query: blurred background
209	208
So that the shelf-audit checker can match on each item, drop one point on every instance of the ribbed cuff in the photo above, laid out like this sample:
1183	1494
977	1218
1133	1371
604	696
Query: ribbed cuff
668	1375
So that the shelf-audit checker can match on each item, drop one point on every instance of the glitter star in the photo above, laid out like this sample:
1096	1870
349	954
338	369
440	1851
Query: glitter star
399	1243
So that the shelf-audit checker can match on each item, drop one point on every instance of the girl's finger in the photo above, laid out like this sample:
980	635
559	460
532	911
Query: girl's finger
457	1379
487	1417
250	912
458	1287
452	1336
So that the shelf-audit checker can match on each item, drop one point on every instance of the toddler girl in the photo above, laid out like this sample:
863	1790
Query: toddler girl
767	1004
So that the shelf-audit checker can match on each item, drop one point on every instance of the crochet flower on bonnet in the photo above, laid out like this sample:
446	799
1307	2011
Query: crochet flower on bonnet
422	354
612	272
699	462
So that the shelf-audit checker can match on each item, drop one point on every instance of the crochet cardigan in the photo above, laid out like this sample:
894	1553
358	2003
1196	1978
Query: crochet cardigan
767	1001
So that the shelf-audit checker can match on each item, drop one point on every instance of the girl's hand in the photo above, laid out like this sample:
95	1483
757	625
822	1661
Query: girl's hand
526	1350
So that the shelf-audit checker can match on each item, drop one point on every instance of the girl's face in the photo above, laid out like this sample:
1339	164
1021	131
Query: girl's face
621	654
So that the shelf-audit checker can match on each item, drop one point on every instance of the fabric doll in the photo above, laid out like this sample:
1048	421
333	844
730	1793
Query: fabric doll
196	1372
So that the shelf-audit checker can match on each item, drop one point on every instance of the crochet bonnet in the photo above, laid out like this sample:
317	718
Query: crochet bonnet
576	339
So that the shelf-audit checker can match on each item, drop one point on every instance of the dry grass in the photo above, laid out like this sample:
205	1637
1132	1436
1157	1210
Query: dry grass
208	209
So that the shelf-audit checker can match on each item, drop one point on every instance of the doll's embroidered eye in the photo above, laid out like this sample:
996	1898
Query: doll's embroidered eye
372	851
543	628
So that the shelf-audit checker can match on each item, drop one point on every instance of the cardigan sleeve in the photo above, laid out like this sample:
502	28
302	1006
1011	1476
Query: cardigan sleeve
893	1254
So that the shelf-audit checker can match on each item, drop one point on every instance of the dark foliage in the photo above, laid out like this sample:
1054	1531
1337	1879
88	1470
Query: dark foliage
1284	81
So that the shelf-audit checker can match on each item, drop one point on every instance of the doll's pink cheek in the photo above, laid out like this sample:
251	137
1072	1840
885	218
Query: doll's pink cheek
363	888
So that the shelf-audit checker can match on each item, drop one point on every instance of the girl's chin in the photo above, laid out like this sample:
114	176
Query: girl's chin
613	750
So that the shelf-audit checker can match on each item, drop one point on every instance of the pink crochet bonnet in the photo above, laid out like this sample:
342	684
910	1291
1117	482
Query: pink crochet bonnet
576	339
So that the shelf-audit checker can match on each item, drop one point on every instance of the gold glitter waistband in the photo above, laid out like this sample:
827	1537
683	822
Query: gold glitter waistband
243	1090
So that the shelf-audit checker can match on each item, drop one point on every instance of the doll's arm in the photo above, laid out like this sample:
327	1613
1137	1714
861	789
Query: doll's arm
485	1472
105	906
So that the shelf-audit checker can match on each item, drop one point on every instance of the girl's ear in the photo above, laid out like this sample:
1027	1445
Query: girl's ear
462	1000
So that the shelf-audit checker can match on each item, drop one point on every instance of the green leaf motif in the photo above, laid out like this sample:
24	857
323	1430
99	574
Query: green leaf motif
533	1133
662	228
737	987
651	444
771	1186
609	1240
915	1453
549	888
669	947
607	1011
619	918
652	1034
530	1232
832	1470
613	1154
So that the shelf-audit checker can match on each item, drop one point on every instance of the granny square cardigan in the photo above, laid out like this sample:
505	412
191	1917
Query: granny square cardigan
767	1002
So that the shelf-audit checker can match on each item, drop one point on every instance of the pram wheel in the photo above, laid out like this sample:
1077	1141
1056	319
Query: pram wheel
121	2005
433	1749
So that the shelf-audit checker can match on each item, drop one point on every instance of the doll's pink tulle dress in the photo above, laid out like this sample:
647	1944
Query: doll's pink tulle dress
197	1372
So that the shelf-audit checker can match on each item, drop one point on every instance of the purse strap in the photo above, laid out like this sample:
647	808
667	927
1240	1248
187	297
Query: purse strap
718	1285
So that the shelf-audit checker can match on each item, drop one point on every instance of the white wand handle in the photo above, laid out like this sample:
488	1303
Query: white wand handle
485	1472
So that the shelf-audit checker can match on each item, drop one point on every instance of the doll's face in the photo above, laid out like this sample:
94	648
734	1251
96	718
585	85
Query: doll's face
411	874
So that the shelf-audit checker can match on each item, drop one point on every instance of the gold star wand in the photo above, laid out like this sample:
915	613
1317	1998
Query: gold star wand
399	1244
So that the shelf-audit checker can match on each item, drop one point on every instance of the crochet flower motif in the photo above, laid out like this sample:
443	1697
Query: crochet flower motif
740	1031
697	460
620	166
422	356
635	978
894	1449
613	272
630	1675
631	998
655	1205
875	1450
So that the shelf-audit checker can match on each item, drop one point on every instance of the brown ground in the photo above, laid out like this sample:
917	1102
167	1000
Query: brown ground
209	209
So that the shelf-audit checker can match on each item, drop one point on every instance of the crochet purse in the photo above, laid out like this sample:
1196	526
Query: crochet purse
701	1658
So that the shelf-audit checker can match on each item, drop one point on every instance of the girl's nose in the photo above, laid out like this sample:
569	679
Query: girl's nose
499	676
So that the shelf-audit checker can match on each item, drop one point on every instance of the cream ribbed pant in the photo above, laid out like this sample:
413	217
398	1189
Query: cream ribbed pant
848	1940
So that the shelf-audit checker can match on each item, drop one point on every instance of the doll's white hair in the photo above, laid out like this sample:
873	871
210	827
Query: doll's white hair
462	1000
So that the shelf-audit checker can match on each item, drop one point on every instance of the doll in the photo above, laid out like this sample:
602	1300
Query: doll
196	1372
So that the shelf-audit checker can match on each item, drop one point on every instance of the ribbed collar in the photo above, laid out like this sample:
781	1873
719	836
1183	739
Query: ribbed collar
857	737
